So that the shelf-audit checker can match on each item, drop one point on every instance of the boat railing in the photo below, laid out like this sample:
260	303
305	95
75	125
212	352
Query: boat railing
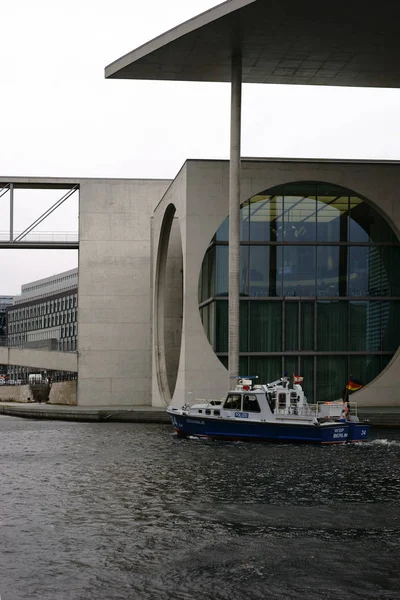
353	409
333	409
308	410
209	401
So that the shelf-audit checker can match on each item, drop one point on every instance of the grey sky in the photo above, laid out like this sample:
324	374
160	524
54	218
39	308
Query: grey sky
60	117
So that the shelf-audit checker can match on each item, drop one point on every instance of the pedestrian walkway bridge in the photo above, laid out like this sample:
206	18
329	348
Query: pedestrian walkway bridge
39	359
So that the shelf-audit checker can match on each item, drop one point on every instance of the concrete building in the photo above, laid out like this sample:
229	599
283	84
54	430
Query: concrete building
320	292
5	302
313	246
324	234
44	316
319	244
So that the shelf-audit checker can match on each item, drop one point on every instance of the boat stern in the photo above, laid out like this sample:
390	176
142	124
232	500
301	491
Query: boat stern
358	432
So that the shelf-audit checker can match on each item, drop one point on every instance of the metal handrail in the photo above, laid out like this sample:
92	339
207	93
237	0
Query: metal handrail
42	236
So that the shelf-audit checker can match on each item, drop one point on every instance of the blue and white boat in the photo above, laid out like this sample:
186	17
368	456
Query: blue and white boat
276	412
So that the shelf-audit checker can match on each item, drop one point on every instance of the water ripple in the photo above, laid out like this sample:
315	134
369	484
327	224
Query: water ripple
124	511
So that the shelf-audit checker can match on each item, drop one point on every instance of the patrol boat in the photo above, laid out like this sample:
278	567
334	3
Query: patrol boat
274	412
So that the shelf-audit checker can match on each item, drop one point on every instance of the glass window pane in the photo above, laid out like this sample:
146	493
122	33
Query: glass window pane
390	259
244	326
211	324
222	234
266	217
332	215
331	271
300	212
307	371
390	325
365	326
215	272
245	222
221	330
290	365
265	275
244	270
244	366
367	225
332	326
291	325
365	368
299	271
265	326
221	271
266	368
332	377
307	325
207	285
365	271
259	275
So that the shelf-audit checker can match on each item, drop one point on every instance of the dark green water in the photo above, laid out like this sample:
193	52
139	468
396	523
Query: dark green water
125	511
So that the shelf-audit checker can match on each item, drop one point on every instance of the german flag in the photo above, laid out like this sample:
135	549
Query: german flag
354	384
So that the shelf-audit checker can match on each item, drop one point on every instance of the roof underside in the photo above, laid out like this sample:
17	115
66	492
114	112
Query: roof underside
309	42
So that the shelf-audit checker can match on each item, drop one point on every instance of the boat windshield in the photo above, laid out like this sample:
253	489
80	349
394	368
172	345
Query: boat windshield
250	403
233	402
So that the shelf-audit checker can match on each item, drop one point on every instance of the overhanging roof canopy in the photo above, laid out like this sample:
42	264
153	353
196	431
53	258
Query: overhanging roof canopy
308	42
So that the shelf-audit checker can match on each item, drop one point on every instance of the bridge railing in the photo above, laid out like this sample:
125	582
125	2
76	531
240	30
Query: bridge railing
42	236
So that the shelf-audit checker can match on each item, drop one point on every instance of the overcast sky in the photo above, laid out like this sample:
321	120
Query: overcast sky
60	117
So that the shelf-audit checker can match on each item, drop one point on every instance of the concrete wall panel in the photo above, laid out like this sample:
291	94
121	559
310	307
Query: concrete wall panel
100	309
115	336
114	318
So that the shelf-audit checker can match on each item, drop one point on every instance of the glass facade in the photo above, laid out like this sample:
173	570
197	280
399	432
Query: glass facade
319	288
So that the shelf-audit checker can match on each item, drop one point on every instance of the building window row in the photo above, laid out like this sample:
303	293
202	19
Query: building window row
42	322
44	308
59	280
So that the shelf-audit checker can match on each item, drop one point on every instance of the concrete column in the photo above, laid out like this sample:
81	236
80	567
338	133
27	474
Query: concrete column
234	216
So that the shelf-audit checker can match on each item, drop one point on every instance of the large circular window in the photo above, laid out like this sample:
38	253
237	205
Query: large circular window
319	284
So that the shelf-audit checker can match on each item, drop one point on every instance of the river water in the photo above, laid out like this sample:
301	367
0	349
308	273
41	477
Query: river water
128	511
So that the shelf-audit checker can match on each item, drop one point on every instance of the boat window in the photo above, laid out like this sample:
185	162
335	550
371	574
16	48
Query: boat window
271	401
217	413
233	402
282	400
200	411
250	403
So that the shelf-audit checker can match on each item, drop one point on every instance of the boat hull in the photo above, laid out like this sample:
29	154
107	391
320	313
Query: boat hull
358	432
235	429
